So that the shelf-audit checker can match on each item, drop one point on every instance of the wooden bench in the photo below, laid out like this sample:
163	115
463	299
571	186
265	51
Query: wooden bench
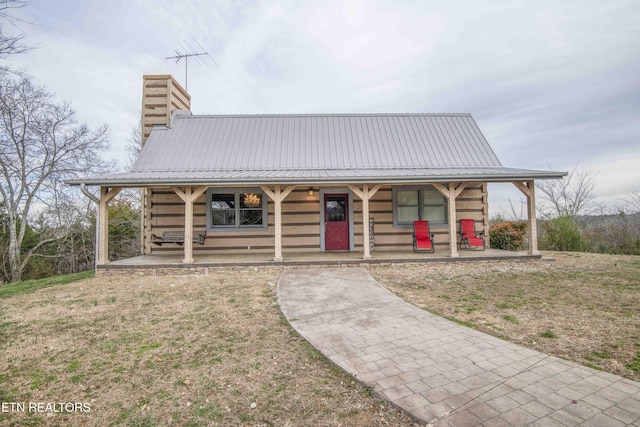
176	237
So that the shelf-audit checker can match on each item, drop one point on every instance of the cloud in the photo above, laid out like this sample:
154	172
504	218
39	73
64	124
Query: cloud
550	83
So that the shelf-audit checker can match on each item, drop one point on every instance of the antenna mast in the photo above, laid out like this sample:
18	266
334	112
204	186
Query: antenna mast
186	51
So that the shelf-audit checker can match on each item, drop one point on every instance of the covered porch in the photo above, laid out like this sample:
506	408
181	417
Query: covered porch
277	195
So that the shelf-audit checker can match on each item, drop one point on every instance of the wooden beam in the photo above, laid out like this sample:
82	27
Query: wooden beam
442	189
374	190
180	193
269	193
188	225
102	244
450	192
523	188
103	227
460	188
445	190
528	188
365	195
365	222
110	194
533	224
286	192
188	196
199	191
356	191
278	224
278	195
453	241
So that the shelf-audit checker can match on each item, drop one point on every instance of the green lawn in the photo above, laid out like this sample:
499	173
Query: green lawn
29	286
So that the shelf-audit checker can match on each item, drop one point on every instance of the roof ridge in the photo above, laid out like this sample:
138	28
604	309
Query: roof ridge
192	116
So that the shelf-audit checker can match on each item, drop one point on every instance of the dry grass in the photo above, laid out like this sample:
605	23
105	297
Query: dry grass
582	307
199	351
172	351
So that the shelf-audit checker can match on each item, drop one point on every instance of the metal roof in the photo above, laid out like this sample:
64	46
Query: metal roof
264	149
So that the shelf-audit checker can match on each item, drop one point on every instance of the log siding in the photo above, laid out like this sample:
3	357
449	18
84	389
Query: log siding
301	226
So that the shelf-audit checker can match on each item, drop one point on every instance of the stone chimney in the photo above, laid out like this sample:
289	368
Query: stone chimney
161	96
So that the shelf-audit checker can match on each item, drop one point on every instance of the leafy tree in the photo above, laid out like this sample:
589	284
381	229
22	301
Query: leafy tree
562	234
41	144
124	228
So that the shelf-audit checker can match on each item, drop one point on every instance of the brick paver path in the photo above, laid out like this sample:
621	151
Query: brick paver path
441	372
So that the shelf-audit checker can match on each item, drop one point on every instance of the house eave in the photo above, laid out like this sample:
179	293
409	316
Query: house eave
127	181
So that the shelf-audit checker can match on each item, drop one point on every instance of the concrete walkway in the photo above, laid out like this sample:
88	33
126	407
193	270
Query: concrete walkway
441	372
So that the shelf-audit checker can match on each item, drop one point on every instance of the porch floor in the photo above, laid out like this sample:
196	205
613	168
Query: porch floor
313	258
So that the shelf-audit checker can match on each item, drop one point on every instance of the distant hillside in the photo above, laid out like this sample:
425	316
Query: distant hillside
591	220
618	233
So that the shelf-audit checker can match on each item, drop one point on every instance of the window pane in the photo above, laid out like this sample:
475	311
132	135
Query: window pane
223	217
222	201
408	198
434	213
336	209
432	197
250	217
223	209
238	209
408	214
434	206
250	201
250	209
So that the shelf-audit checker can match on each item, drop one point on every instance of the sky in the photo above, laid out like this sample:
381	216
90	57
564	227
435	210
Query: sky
552	84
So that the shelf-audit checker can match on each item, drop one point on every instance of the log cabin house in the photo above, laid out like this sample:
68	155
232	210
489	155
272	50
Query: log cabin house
280	184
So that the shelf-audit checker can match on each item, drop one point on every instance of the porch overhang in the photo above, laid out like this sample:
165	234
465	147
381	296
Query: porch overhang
278	184
318	177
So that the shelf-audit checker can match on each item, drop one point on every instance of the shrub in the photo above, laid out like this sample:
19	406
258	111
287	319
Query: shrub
510	235
562	234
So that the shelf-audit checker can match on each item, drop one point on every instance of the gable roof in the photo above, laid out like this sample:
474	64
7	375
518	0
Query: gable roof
334	148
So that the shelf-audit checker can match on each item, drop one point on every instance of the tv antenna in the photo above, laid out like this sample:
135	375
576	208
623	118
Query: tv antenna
186	51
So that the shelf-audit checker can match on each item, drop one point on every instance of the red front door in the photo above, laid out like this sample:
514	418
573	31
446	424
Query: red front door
336	222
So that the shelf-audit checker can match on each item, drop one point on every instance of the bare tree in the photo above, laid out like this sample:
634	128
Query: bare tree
41	144
571	196
516	212
134	144
633	200
11	44
74	216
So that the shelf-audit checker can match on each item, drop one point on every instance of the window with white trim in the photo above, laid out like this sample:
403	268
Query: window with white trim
418	203
230	209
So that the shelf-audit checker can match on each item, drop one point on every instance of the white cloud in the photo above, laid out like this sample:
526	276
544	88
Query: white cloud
550	83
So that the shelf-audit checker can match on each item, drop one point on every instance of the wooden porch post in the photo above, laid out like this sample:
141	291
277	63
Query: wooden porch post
453	241
188	196
528	188
450	193
278	196
106	195
365	194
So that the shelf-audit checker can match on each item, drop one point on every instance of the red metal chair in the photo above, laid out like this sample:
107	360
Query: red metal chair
422	239
468	236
